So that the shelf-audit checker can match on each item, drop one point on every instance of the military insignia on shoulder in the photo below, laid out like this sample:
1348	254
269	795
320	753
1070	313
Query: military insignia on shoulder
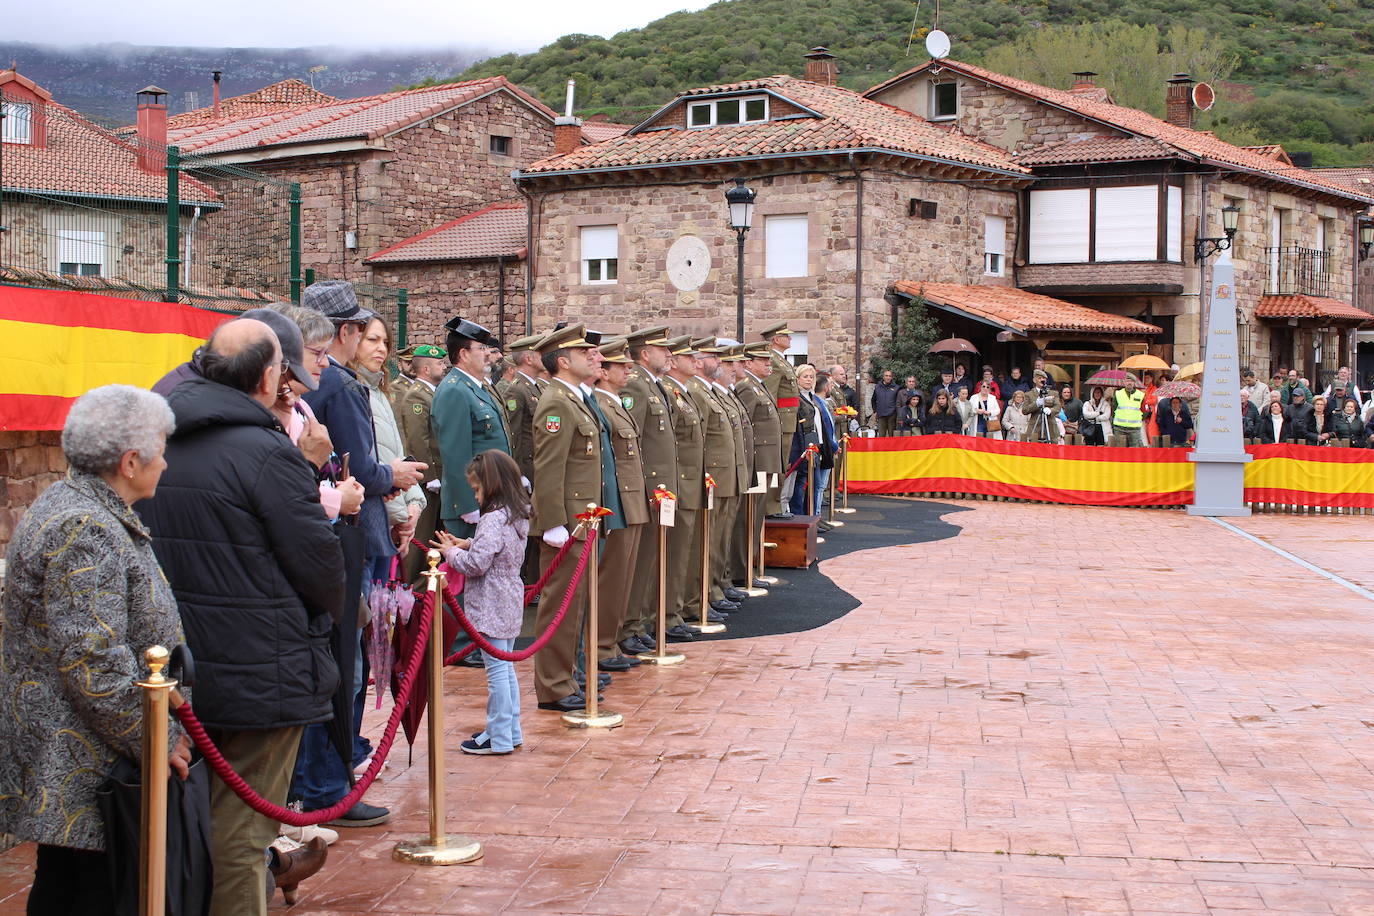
553	424
512	405
628	401
419	409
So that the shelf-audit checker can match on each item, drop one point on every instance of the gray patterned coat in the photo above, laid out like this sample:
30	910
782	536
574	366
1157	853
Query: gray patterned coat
84	596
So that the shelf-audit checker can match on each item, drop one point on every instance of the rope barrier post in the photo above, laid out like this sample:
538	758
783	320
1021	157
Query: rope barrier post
844	474
811	488
764	544
660	655
438	848
830	500
751	529
152	852
591	717
705	624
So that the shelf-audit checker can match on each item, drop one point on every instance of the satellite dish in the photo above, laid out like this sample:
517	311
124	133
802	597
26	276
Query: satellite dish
1204	97
937	44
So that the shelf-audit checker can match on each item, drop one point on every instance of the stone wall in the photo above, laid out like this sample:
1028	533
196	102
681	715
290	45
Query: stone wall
651	217
135	240
440	290
29	462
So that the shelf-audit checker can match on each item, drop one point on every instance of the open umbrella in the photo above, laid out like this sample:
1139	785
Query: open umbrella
952	345
1058	374
1111	378
1143	361
1188	391
1190	371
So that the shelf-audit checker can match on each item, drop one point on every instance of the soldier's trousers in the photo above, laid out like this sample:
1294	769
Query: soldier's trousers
722	537
684	579
613	598
642	611
738	570
554	664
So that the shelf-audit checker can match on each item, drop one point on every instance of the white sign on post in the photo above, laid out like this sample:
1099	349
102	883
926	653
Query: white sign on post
1220	455
667	511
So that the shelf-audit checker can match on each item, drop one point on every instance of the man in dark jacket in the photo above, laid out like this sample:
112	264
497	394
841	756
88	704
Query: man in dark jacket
238	528
884	404
1302	417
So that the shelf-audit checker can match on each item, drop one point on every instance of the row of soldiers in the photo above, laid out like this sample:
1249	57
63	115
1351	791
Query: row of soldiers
625	423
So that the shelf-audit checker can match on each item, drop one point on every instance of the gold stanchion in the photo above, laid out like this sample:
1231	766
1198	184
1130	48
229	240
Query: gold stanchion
439	848
811	489
705	625
152	872
844	471
591	717
660	655
764	543
750	529
830	500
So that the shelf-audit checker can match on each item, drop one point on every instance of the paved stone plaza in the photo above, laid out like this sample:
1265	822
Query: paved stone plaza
1057	710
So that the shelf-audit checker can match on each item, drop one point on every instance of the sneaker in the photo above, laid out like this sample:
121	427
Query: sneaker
519	743
303	835
484	747
362	815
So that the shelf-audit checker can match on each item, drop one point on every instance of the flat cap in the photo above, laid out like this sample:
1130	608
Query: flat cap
337	300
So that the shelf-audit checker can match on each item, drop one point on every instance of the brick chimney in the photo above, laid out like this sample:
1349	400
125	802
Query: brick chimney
214	106
821	68
567	128
1178	100
152	129
1083	79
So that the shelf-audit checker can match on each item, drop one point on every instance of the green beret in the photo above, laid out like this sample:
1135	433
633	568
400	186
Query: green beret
431	351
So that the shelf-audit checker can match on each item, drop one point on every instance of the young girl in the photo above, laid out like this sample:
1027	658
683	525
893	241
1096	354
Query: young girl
494	596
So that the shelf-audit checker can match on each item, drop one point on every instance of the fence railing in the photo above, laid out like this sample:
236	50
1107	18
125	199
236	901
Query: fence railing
1294	271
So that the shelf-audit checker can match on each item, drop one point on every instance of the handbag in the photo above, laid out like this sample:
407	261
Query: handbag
994	425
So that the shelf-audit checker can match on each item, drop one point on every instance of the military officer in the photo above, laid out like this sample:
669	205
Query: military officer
646	399
718	435
623	547
727	474
405	375
519	400
684	578
568	474
782	387
737	576
763	414
413	408
467	419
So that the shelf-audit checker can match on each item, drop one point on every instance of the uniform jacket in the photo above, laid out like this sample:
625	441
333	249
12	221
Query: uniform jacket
567	458
84	597
691	445
412	412
719	434
520	399
746	469
467	420
763	416
629	472
744	448
782	385
657	444
255	565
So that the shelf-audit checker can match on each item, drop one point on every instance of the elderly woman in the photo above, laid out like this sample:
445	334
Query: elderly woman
84	597
1014	419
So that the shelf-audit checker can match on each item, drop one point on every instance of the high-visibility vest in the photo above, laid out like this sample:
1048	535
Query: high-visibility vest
1127	414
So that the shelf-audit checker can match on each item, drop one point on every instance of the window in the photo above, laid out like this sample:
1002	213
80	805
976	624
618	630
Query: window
1275	243
80	253
785	246
499	145
1059	226
18	122
1127	224
799	351
944	100
994	245
1326	238
727	111
600	254
1173	215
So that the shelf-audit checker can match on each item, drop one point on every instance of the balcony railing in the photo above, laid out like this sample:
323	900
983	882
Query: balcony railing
1296	271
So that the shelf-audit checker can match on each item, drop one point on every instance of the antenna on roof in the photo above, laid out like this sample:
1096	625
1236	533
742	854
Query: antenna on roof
318	68
937	44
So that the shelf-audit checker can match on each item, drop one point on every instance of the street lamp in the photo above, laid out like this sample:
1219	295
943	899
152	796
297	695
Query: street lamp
1366	239
1205	248
741	202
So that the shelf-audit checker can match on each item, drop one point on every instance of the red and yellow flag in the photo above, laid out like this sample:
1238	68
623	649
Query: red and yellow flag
57	345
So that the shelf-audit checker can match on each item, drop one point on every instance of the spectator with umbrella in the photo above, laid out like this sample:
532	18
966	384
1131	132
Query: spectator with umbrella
1175	422
1127	414
1095	424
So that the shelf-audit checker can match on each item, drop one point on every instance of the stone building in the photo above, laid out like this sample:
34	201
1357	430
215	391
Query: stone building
853	198
1119	198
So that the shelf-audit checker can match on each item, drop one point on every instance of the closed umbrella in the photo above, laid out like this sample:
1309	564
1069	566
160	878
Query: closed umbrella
1143	361
1191	371
1111	378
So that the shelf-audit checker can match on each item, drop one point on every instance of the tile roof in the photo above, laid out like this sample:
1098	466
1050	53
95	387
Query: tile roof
366	118
492	232
1357	179
1309	307
596	131
847	121
1097	149
1273	151
1026	312
79	158
278	97
1193	142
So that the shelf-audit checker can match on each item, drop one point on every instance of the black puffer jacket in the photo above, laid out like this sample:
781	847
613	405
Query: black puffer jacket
254	564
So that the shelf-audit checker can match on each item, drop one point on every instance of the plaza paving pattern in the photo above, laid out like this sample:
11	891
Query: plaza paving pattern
1059	710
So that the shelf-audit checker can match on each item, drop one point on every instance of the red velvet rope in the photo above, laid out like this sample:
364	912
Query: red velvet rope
480	642
536	588
262	806
809	450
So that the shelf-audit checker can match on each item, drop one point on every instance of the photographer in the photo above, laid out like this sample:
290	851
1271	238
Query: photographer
1042	408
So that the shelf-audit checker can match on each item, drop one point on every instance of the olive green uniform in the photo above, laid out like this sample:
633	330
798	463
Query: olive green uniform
684	579
719	447
647	405
783	388
619	559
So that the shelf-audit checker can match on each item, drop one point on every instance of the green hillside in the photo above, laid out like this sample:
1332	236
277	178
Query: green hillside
1302	73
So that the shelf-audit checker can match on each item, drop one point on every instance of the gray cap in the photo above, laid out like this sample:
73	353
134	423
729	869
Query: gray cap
289	336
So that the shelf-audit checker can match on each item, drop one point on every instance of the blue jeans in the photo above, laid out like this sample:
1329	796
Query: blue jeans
503	700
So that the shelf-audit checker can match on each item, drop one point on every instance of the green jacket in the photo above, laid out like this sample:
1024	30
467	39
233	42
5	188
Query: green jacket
467	420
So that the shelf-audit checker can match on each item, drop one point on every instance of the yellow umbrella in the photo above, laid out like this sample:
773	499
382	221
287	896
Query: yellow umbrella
1057	373
1143	361
1190	371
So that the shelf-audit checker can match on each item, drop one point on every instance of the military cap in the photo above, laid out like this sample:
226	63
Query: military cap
527	343
733	354
757	351
470	330
615	350
656	336
680	346
429	350
572	337
406	352
773	330
706	345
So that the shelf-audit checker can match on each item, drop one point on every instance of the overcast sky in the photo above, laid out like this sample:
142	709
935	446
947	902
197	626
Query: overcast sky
498	25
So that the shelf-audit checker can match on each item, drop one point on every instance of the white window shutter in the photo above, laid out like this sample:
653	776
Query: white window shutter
1059	226
1173	243
80	247
995	235
1128	223
786	246
600	242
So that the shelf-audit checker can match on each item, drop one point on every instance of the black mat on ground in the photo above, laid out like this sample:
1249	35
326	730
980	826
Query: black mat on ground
805	599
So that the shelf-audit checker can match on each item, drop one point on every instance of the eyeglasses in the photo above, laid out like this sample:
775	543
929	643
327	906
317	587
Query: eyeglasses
321	355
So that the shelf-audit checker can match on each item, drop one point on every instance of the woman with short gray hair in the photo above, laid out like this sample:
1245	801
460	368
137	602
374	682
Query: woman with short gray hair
83	598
